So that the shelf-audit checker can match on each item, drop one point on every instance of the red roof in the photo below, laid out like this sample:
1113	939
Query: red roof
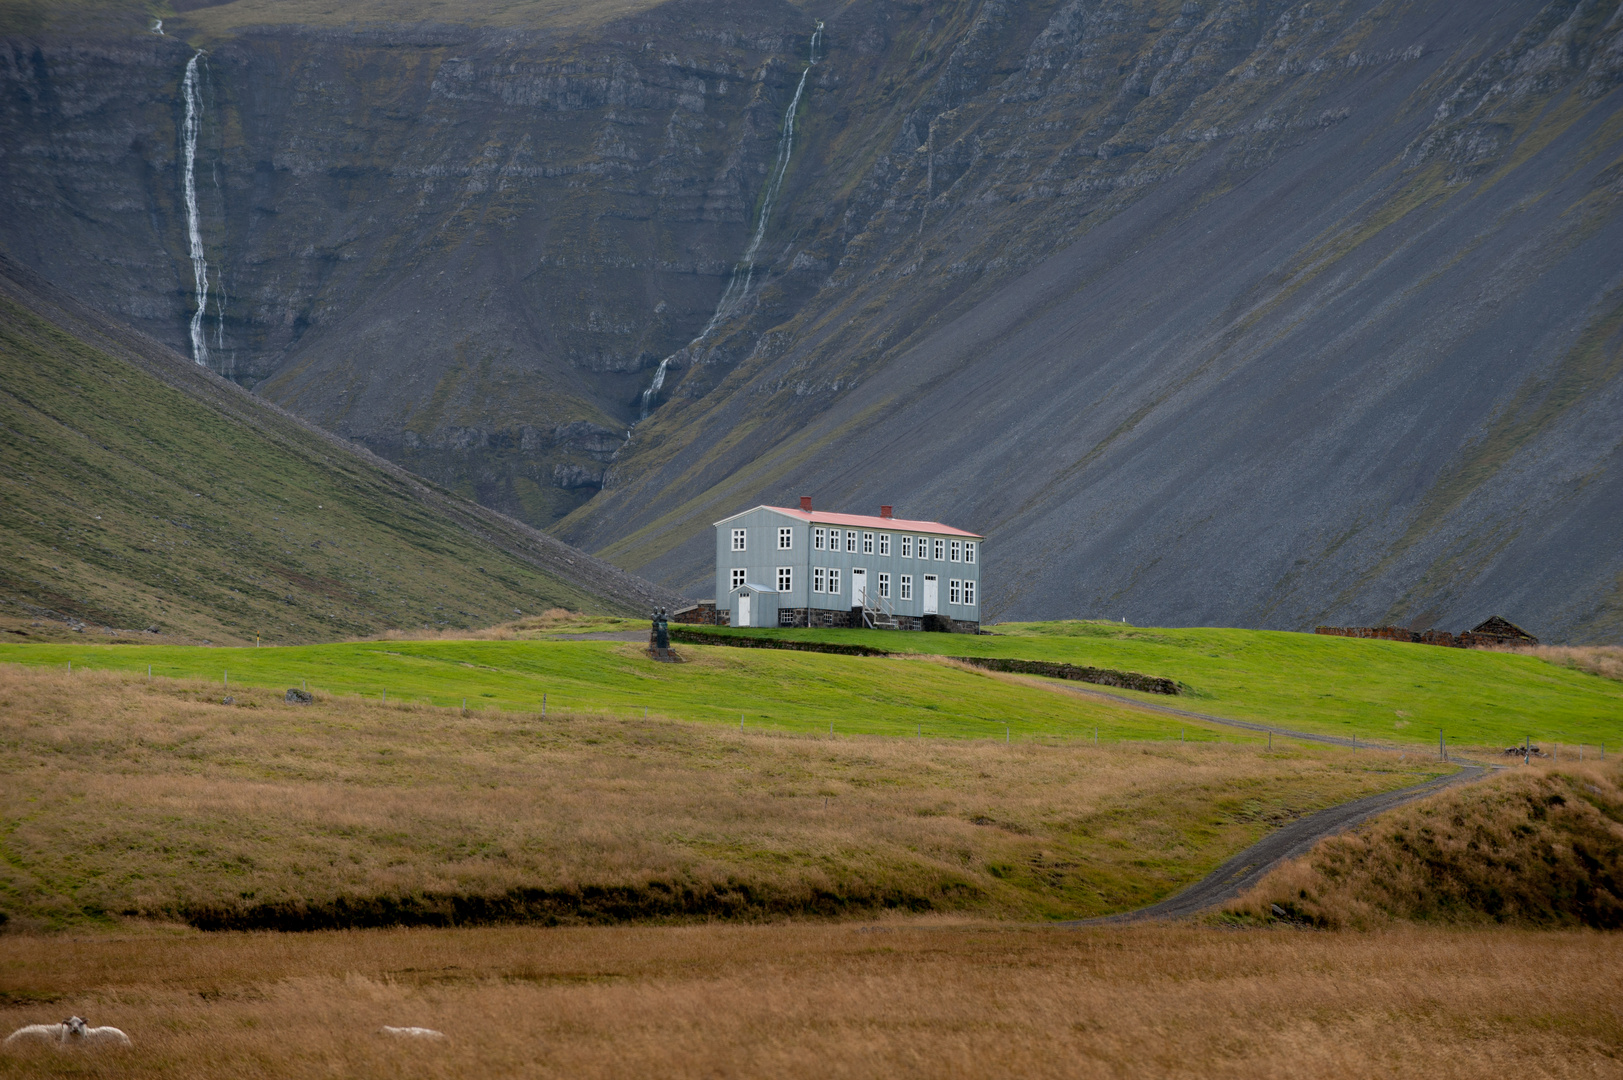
820	517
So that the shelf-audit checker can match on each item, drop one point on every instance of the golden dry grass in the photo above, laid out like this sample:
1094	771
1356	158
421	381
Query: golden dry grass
831	1000
1603	660
126	798
1540	846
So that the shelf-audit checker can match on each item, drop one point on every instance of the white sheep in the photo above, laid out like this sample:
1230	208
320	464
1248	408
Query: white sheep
73	1030
411	1032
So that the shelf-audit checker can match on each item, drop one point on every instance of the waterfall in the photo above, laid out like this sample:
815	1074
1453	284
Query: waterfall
743	275
194	232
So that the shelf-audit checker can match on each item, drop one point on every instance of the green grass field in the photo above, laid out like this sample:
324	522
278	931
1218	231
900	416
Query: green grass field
1377	690
805	692
1338	686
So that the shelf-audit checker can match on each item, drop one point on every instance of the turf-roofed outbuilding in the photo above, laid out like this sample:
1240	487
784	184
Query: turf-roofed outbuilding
782	566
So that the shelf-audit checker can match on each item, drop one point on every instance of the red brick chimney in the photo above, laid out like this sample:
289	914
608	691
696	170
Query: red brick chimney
805	503
885	511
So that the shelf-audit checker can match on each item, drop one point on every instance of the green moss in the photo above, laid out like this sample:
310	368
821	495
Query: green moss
129	503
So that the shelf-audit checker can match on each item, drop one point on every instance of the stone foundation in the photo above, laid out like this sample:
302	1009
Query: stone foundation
824	619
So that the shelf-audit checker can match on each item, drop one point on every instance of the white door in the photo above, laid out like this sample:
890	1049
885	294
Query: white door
859	588
743	609
932	594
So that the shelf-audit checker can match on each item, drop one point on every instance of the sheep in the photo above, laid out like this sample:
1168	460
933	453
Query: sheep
73	1029
411	1032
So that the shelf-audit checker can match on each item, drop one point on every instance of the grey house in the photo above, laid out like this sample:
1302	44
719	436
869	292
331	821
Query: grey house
779	566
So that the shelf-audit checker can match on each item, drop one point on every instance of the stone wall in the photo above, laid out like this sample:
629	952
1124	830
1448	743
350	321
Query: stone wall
1493	631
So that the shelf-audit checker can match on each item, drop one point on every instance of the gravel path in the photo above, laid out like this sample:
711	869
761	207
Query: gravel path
1295	839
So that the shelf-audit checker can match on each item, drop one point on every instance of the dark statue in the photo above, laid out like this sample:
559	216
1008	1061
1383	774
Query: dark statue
662	630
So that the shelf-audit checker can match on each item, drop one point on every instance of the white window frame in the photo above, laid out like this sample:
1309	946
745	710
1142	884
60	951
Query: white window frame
833	581
867	543
884	543
819	538
939	552
739	578
738	539
907	547
884	585
786	538
851	540
955	587
969	592
969	551
905	587
957	551
786	579
819	579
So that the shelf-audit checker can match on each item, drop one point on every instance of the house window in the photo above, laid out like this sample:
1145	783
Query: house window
907	547
969	593
905	585
834	582
850	541
738	539
955	592
786	579
867	543
940	550
884	586
738	579
957	551
786	539
969	551
884	543
819	580
818	538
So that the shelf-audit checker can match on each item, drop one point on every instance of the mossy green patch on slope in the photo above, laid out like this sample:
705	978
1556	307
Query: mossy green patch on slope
1385	690
129	503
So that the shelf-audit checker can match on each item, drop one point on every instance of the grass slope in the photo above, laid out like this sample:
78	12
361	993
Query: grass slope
796	692
129	798
829	1001
1338	686
138	490
1538	847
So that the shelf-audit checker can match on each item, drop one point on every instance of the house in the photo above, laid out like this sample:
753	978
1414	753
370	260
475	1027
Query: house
780	566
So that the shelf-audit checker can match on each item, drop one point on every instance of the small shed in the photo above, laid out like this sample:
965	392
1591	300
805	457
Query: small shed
753	605
1499	631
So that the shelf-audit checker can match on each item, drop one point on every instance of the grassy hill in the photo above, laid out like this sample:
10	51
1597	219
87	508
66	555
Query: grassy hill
156	800
1337	686
1398	694
140	491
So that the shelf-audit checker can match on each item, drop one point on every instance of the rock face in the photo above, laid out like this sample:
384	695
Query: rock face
1224	312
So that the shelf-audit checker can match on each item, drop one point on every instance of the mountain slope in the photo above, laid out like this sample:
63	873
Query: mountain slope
1204	312
139	490
1339	340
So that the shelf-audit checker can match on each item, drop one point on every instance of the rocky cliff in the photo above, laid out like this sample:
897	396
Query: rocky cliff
1235	312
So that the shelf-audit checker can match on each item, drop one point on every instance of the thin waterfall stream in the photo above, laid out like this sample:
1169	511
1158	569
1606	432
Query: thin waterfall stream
194	232
743	275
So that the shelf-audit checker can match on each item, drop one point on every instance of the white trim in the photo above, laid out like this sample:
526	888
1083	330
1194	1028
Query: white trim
770	509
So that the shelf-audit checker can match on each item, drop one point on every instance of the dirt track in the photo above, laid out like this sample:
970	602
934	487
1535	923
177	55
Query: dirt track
1295	839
